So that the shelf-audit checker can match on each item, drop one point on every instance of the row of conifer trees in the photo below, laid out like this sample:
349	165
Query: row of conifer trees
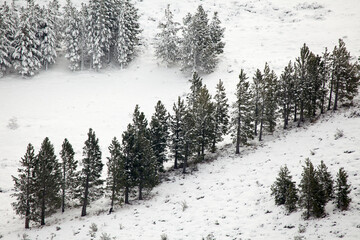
195	126
316	188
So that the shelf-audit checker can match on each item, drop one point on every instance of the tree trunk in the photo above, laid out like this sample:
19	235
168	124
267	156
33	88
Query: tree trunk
336	95
186	157
301	119
261	129
127	195
330	93
112	196
237	151
63	191
295	112
27	214
256	118
43	208
86	193
140	191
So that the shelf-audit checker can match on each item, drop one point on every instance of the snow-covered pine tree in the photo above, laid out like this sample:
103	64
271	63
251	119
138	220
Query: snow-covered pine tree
7	30
55	17
271	99
98	33
47	37
312	196
159	134
242	116
69	182
72	36
217	34
342	190
326	181
345	76
115	173
129	154
189	137
84	46
177	122
257	100
90	182
26	55
145	165
286	93
301	66
284	190
166	41
221	117
47	175
128	33
198	53
325	71
315	83
24	186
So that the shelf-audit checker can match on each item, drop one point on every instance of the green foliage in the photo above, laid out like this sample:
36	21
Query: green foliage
342	190
91	184
312	195
47	175
326	181
284	190
159	134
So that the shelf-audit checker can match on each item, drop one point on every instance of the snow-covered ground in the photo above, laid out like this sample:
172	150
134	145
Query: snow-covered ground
230	196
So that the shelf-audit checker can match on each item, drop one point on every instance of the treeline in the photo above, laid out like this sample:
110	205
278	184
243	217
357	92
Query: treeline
102	32
316	188
195	126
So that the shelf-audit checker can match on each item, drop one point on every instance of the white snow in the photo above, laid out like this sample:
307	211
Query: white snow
228	197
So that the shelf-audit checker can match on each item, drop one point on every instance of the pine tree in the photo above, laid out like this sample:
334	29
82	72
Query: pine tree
177	125
167	41
315	83
69	183
145	164
91	184
24	186
271	99
257	100
221	115
217	34
123	50
325	71
286	93
47	176
342	190
72	36
115	172
6	30
243	113
301	65
129	154
159	134
26	55
47	37
284	190
326	181
312	196
345	76
198	52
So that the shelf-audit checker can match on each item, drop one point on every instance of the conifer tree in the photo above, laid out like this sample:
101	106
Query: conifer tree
221	115
314	85
145	165
26	55
123	50
257	98
91	184
167	41
189	138
271	99
69	183
342	190
312	196
159	134
345	76
72	36
198	52
284	190
177	126
47	176
6	30
24	186
325	72
115	172
217	34
129	155
326	181
243	112
286	93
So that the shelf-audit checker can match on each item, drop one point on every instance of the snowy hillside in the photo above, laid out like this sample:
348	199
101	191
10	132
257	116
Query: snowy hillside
229	197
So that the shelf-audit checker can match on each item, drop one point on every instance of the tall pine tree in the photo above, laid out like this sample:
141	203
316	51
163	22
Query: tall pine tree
342	190
177	125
